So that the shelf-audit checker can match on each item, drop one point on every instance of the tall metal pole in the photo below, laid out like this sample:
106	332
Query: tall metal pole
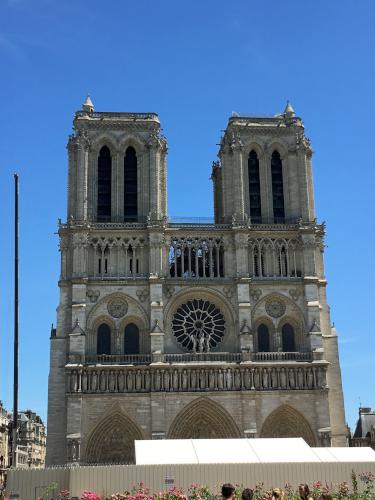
15	360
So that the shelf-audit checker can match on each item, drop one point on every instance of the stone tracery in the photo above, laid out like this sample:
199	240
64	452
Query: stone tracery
198	325
196	257
274	257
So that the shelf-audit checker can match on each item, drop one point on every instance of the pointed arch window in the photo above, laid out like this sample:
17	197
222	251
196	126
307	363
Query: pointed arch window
254	187
288	339
131	339
263	338
104	185
130	185
277	187
103	340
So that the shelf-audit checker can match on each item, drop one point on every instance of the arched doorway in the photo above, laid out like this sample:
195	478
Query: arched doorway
203	419
286	422
112	440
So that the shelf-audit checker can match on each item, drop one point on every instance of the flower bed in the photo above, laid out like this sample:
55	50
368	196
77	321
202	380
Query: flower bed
361	488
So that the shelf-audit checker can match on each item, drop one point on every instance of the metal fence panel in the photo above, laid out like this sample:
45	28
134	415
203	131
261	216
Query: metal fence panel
109	479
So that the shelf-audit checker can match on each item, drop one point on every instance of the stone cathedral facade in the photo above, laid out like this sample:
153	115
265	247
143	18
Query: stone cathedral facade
173	329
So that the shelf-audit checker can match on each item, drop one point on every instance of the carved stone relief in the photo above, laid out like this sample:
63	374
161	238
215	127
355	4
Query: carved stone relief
275	307
117	307
93	295
294	293
142	294
255	294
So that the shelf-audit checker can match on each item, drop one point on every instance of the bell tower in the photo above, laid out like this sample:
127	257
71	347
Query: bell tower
265	170
117	167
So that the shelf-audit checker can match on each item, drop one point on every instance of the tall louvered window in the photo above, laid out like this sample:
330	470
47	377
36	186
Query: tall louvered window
131	339
277	188
263	338
254	187
130	185
288	339
104	185
103	339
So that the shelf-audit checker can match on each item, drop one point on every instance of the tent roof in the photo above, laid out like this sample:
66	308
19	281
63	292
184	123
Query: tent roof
215	451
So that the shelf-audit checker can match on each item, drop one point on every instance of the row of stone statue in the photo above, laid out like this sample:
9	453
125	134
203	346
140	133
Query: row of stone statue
194	379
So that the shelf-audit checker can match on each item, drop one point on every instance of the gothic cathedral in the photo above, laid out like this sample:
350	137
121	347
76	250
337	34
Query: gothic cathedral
186	329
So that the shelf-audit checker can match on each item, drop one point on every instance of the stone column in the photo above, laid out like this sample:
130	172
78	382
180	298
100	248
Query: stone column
305	192
82	176
157	148
238	180
80	250
72	177
294	210
77	344
242	257
244	316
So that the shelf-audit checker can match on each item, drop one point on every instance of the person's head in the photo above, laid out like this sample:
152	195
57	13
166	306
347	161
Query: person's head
277	494
227	490
304	490
247	494
325	496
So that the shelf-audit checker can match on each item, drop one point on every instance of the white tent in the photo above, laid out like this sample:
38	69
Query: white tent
226	451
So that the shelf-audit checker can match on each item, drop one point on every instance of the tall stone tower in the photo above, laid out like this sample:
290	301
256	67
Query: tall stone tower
178	330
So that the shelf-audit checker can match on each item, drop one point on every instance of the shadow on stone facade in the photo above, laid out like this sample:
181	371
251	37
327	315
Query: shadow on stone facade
286	422
112	440
203	419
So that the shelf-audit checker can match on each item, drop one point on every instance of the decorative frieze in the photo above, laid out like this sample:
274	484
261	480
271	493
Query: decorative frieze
194	379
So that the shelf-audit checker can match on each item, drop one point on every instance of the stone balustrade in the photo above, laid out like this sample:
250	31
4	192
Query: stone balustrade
172	378
192	357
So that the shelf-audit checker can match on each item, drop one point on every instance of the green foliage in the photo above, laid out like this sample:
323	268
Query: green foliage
49	492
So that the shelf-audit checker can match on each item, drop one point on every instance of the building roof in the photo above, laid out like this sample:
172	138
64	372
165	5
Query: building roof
365	423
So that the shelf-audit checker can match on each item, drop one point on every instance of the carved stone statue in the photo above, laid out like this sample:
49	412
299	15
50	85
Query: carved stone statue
283	378
157	380
184	380
94	381
220	380
201	342
310	379
120	382
175	380
292	380
138	380
228	378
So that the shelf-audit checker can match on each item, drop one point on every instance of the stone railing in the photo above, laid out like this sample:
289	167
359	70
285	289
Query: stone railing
169	378
191	358
119	359
203	357
282	356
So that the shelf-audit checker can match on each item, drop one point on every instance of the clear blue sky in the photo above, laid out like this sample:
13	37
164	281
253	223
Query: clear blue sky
194	63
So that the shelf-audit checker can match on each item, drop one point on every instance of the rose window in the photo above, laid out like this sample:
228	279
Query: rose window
198	325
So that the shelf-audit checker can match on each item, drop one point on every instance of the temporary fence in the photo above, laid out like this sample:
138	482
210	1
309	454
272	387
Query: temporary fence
107	479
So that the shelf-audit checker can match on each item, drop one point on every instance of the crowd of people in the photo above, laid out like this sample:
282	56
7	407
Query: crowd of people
228	493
